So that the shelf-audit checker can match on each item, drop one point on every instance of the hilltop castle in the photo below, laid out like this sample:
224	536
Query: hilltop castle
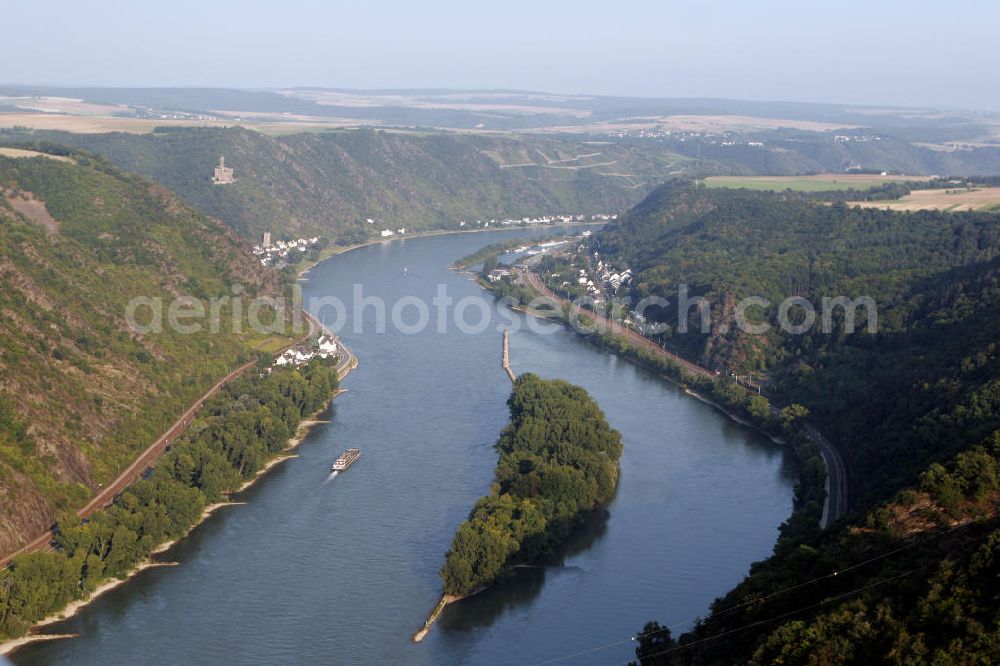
223	174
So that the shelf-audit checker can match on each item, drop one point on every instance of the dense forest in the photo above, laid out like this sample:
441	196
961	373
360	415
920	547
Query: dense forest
932	276
558	460
914	407
78	240
236	433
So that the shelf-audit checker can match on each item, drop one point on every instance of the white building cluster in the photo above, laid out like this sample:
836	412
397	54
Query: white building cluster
325	347
608	279
564	218
498	274
856	138
271	254
587	282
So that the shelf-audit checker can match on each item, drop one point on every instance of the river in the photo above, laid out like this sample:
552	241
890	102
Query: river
315	569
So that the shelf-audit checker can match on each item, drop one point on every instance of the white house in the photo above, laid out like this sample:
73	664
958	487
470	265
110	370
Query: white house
327	346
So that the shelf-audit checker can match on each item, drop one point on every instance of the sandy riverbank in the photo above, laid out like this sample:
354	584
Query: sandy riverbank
208	511
305	426
74	607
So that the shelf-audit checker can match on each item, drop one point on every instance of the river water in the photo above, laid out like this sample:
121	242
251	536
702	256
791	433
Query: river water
315	569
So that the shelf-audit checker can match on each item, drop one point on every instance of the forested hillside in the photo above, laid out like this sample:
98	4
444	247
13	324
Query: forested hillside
914	408
730	244
877	148
80	393
330	183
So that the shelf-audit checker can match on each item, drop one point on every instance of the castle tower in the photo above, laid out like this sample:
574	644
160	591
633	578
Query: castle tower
223	175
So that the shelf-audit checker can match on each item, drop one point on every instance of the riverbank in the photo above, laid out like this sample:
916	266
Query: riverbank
74	607
622	342
301	434
335	250
677	381
836	504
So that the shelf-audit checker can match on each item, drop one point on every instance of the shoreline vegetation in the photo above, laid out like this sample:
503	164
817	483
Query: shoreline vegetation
312	380
558	460
785	426
675	373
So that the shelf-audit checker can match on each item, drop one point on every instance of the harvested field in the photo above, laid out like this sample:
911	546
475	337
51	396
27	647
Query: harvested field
96	125
816	183
712	124
953	200
20	152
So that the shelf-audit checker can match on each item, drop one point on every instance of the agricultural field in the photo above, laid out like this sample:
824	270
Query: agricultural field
706	123
951	200
823	182
19	152
266	124
91	124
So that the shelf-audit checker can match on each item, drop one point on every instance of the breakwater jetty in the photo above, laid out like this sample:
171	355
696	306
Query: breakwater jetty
505	359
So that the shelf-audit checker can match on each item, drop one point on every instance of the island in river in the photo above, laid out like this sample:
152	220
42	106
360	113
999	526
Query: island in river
558	462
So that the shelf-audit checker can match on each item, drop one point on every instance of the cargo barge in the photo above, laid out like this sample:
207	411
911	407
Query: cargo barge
345	460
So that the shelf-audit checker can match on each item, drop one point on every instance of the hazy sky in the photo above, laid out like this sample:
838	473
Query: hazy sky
908	52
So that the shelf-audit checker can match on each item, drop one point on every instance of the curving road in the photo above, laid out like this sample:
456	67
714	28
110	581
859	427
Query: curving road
837	496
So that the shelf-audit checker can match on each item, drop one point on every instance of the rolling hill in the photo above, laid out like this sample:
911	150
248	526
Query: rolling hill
330	183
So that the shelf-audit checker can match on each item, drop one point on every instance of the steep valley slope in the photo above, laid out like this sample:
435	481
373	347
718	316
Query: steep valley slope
80	392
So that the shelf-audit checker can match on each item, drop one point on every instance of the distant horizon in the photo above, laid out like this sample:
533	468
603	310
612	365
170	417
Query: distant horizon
485	90
891	54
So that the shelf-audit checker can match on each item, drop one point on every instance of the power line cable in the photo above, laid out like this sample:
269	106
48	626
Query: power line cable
763	599
776	617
